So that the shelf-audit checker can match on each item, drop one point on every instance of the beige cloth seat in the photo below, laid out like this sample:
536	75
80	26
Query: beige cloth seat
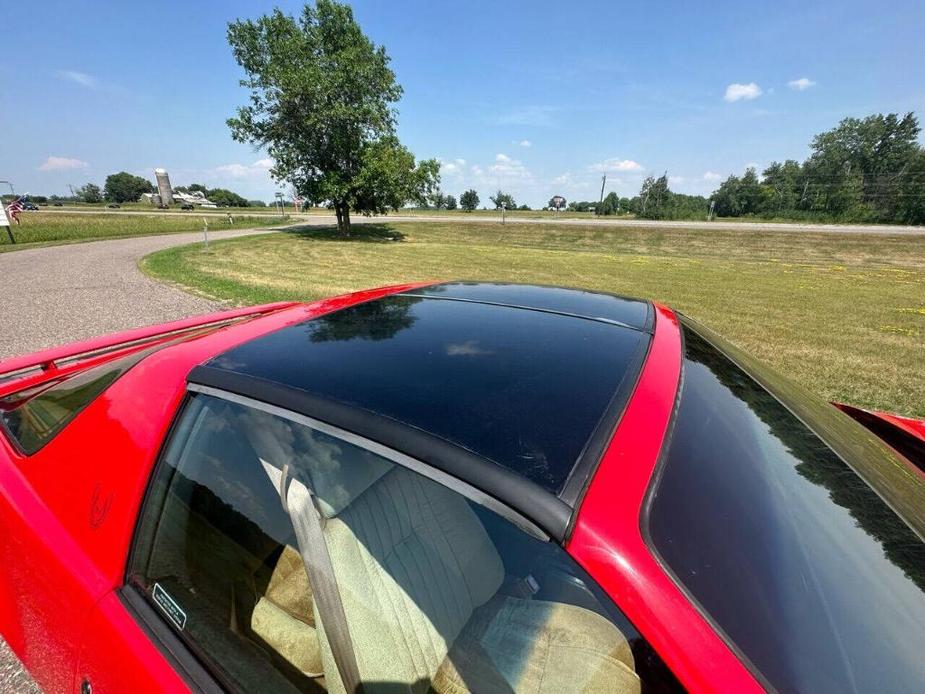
419	579
283	617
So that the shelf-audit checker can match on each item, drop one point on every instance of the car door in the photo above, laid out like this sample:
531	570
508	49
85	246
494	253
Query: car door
434	584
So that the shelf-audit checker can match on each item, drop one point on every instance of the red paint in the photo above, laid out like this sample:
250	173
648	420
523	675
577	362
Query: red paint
913	427
113	631
607	540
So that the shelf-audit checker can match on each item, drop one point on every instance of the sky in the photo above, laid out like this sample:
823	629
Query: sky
535	98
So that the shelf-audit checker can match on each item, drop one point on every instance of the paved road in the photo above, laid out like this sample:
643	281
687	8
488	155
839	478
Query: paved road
879	229
59	294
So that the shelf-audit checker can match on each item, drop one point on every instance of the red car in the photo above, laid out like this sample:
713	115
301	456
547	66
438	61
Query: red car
452	487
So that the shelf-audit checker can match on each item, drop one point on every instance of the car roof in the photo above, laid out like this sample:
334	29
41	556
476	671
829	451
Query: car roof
514	388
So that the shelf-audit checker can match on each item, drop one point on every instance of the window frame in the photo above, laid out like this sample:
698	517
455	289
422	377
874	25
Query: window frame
198	670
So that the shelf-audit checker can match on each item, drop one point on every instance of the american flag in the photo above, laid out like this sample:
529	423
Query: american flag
15	207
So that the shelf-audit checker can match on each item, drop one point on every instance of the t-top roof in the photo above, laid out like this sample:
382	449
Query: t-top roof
522	381
577	302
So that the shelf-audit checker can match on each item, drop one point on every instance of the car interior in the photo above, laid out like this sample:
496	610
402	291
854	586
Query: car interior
439	593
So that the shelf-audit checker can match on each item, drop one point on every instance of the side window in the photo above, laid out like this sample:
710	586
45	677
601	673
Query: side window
432	591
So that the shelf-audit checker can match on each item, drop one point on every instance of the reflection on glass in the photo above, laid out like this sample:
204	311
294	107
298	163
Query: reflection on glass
807	571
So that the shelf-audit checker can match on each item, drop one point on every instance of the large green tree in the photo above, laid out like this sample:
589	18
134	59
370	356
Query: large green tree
322	102
501	198
867	158
469	200
89	193
126	187
226	198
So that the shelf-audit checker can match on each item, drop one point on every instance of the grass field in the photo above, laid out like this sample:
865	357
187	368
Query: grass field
842	314
44	228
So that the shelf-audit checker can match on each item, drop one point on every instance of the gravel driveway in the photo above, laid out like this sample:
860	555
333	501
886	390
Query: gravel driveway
58	294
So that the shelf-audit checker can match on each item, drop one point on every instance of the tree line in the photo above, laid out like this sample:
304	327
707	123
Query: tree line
863	170
124	187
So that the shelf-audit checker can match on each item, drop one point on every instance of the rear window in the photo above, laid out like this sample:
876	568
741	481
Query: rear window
32	417
807	572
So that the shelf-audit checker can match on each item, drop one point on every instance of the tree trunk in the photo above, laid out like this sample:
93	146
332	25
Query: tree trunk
345	220
342	210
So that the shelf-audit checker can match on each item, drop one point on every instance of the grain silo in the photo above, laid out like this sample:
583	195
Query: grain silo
163	186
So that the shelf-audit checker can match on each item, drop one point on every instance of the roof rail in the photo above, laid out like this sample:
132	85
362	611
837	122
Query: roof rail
50	360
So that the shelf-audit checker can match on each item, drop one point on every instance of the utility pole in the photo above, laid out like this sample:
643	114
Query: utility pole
600	203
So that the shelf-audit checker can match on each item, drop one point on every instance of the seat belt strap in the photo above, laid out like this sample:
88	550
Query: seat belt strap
307	522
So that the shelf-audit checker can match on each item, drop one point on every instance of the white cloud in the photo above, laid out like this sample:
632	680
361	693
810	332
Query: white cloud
711	176
506	168
452	166
801	84
736	91
525	143
62	164
469	348
81	78
676	180
609	165
259	168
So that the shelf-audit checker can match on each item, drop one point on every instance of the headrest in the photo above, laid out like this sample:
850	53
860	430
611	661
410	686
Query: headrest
337	472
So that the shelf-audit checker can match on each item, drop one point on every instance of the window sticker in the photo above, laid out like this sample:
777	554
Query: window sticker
169	606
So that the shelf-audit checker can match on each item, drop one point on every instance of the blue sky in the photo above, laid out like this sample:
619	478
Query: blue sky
536	98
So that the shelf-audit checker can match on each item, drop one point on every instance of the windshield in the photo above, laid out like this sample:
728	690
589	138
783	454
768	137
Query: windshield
810	575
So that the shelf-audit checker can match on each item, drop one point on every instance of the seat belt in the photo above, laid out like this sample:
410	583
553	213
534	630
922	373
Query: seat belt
307	522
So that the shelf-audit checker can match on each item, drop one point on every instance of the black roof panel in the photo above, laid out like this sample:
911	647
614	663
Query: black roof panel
577	302
529	390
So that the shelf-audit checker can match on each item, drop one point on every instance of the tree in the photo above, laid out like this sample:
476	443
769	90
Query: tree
910	205
785	184
437	200
450	202
654	193
126	187
610	204
500	198
870	156
225	198
469	200
322	102
89	193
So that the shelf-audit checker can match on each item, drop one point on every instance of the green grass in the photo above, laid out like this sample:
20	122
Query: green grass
43	228
842	314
